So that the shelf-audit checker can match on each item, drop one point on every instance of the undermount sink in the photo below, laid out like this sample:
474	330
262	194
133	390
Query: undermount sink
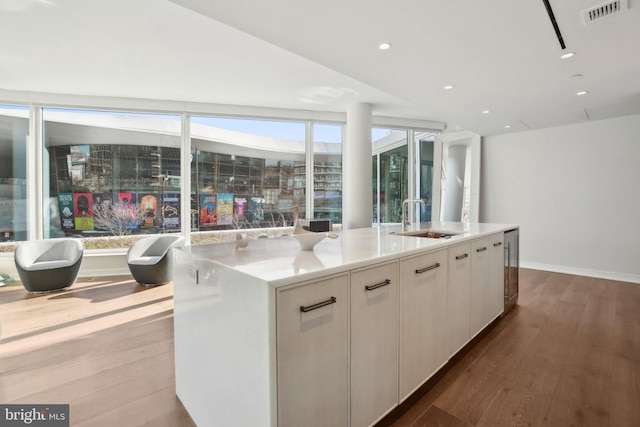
431	234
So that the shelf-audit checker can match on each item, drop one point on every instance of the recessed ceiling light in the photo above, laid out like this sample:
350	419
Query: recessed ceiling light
567	55
447	87
486	112
507	126
385	46
582	92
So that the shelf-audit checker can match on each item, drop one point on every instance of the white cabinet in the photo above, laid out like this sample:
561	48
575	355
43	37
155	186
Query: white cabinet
423	319
272	337
459	296
480	255
487	278
374	343
312	329
495	290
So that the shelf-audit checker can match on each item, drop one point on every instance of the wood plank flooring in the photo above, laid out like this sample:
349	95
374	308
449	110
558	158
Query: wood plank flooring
567	355
105	347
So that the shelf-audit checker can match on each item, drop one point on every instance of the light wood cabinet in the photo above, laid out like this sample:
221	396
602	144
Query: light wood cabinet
423	319
374	343
312	329
459	296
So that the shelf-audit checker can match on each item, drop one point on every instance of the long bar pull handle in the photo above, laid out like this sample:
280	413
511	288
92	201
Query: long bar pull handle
431	267
463	256
497	244
378	285
482	249
330	301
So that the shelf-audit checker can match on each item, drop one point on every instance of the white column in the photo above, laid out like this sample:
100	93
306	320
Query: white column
35	205
309	172
185	178
357	198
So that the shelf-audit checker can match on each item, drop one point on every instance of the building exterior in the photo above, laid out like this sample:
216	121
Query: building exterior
110	174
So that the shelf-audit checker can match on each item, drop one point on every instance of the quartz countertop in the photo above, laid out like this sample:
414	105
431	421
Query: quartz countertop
280	261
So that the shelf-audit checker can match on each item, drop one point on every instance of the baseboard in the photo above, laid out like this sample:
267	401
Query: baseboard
105	272
609	275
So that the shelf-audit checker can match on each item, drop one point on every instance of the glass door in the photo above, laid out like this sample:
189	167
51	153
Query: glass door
391	167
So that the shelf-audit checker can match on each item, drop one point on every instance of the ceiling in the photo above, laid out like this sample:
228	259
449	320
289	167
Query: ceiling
500	55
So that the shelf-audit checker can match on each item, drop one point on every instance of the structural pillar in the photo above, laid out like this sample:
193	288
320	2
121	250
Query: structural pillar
357	171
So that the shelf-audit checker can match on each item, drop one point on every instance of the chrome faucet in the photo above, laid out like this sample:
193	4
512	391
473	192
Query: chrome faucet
405	218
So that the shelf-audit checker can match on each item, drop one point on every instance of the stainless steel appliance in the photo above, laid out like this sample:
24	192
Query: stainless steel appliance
511	268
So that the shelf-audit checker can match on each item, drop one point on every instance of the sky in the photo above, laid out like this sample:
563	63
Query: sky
294	131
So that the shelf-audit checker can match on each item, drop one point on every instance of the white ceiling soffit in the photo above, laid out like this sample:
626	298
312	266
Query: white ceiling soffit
157	50
501	56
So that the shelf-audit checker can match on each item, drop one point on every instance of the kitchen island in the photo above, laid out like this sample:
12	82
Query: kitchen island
272	335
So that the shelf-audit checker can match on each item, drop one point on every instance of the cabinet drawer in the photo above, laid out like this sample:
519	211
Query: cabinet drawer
374	343
423	319
480	254
459	296
312	353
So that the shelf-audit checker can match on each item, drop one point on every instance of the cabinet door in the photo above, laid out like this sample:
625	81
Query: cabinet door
374	343
459	296
423	319
312	353
495	300
480	255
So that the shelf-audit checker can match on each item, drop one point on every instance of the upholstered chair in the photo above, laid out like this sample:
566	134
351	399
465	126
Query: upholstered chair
150	260
48	265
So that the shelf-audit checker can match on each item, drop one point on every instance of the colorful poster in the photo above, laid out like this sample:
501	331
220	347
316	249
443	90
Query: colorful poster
149	205
256	207
102	213
102	200
83	211
127	211
171	210
65	201
240	207
208	210
225	209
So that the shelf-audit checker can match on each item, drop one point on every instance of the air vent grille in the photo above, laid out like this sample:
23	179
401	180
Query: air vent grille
604	10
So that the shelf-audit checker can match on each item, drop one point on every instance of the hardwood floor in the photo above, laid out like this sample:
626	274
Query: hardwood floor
567	355
105	347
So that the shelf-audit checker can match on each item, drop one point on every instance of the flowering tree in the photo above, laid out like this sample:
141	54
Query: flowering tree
118	219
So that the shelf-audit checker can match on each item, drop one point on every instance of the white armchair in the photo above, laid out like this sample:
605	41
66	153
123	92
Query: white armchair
149	259
48	265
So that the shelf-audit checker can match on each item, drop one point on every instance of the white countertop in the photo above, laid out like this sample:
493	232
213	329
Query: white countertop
280	261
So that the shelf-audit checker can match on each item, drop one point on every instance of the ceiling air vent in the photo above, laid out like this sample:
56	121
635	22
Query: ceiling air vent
598	12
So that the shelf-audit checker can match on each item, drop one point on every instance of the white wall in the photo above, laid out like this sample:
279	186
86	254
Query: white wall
94	264
574	190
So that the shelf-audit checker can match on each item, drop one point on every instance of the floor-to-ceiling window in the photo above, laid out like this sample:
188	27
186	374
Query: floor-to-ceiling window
14	127
327	172
245	174
393	169
425	143
110	175
391	155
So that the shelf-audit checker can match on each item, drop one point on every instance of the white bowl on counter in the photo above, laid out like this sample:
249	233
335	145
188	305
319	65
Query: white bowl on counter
308	240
